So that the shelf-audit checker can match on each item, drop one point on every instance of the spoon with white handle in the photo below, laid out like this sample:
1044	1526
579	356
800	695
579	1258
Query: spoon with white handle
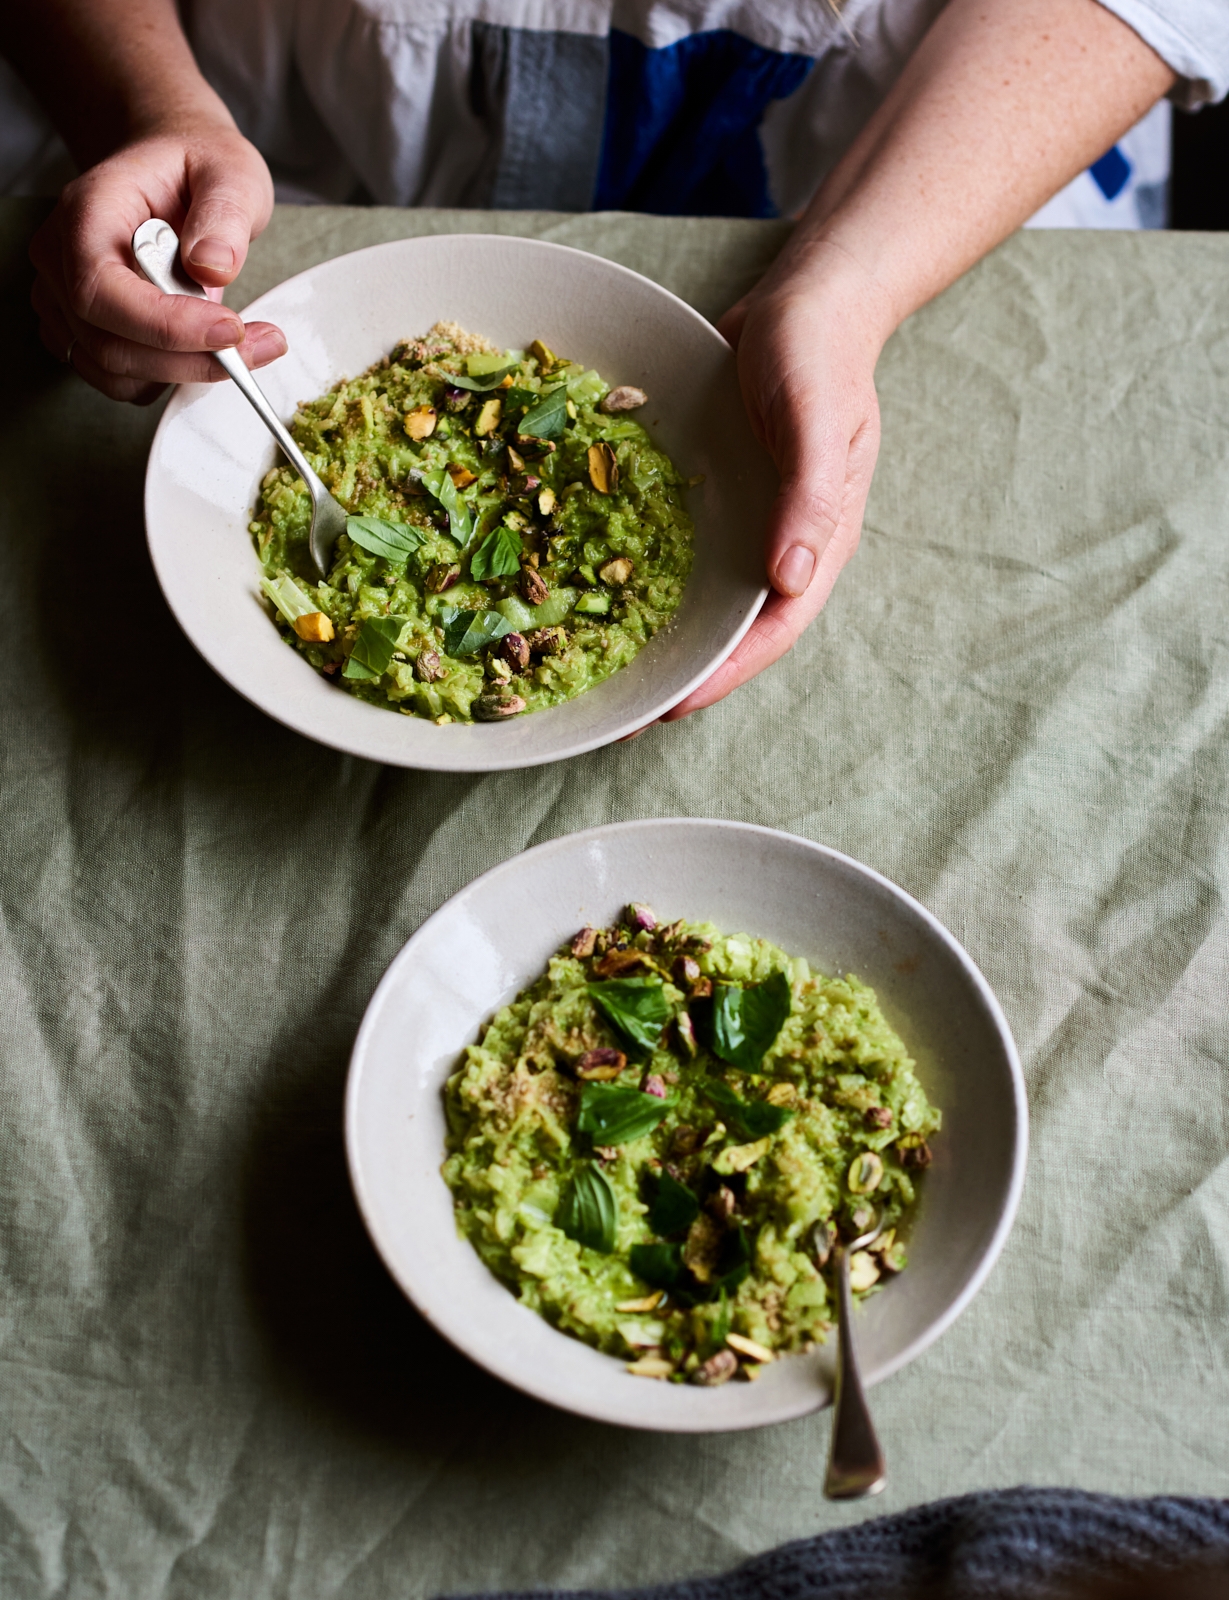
155	244
855	1461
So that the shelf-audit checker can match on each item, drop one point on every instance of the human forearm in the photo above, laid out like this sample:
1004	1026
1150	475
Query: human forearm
109	71
154	140
999	107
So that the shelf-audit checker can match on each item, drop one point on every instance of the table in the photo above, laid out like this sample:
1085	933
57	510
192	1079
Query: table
1016	706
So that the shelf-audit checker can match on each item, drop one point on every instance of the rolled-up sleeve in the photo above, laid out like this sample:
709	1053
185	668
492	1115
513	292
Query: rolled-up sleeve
1191	36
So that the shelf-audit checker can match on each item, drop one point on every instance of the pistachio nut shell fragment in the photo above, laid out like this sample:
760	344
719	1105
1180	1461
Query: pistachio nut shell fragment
625	398
461	476
603	469
420	423
865	1173
315	627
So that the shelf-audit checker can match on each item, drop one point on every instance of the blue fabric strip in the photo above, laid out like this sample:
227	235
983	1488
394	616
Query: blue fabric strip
682	125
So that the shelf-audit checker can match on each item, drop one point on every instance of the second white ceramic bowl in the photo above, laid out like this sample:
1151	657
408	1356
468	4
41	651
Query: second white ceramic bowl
494	937
210	453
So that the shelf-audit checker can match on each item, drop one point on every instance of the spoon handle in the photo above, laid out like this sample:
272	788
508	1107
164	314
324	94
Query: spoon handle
855	1461
155	245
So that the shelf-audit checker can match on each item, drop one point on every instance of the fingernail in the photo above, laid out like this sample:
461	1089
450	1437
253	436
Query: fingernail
795	569
271	344
225	332
215	254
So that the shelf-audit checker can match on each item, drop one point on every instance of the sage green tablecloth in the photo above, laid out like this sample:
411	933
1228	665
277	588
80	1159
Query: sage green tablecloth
1016	706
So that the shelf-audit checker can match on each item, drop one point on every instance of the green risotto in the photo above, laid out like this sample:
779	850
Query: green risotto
657	1145
514	535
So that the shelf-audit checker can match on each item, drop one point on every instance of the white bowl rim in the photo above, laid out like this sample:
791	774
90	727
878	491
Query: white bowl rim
533	1385
254	310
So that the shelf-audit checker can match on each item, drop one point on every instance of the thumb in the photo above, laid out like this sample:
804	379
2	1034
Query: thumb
817	516
232	198
730	326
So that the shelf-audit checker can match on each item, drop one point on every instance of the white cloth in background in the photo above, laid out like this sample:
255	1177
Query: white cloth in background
503	102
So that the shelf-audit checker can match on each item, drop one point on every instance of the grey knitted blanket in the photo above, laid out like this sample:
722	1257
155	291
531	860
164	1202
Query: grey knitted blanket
1015	1544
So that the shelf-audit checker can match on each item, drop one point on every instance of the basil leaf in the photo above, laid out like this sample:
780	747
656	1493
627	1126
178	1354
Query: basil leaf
440	484
637	1007
614	1114
674	1206
750	1119
589	1212
498	556
519	399
658	1264
745	1021
548	418
481	383
734	1263
392	540
467	632
373	649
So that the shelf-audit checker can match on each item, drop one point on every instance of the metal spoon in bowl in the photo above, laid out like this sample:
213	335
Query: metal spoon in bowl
156	247
855	1461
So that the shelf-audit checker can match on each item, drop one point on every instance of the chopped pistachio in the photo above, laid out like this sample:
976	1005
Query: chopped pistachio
489	417
648	1302
651	1367
603	469
741	1157
863	1270
749	1348
865	1173
420	423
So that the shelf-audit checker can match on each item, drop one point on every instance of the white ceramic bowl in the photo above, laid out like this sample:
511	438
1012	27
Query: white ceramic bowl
211	451
493	937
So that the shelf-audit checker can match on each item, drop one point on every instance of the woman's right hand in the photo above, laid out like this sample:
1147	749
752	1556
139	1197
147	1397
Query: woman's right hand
122	335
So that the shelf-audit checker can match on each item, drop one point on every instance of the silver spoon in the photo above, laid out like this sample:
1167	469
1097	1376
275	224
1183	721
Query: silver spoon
156	247
855	1461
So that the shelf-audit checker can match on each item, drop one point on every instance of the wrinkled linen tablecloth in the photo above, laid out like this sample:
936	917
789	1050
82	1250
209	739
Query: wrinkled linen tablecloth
1015	706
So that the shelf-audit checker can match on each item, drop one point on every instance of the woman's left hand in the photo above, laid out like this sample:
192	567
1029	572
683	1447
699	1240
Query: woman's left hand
806	363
